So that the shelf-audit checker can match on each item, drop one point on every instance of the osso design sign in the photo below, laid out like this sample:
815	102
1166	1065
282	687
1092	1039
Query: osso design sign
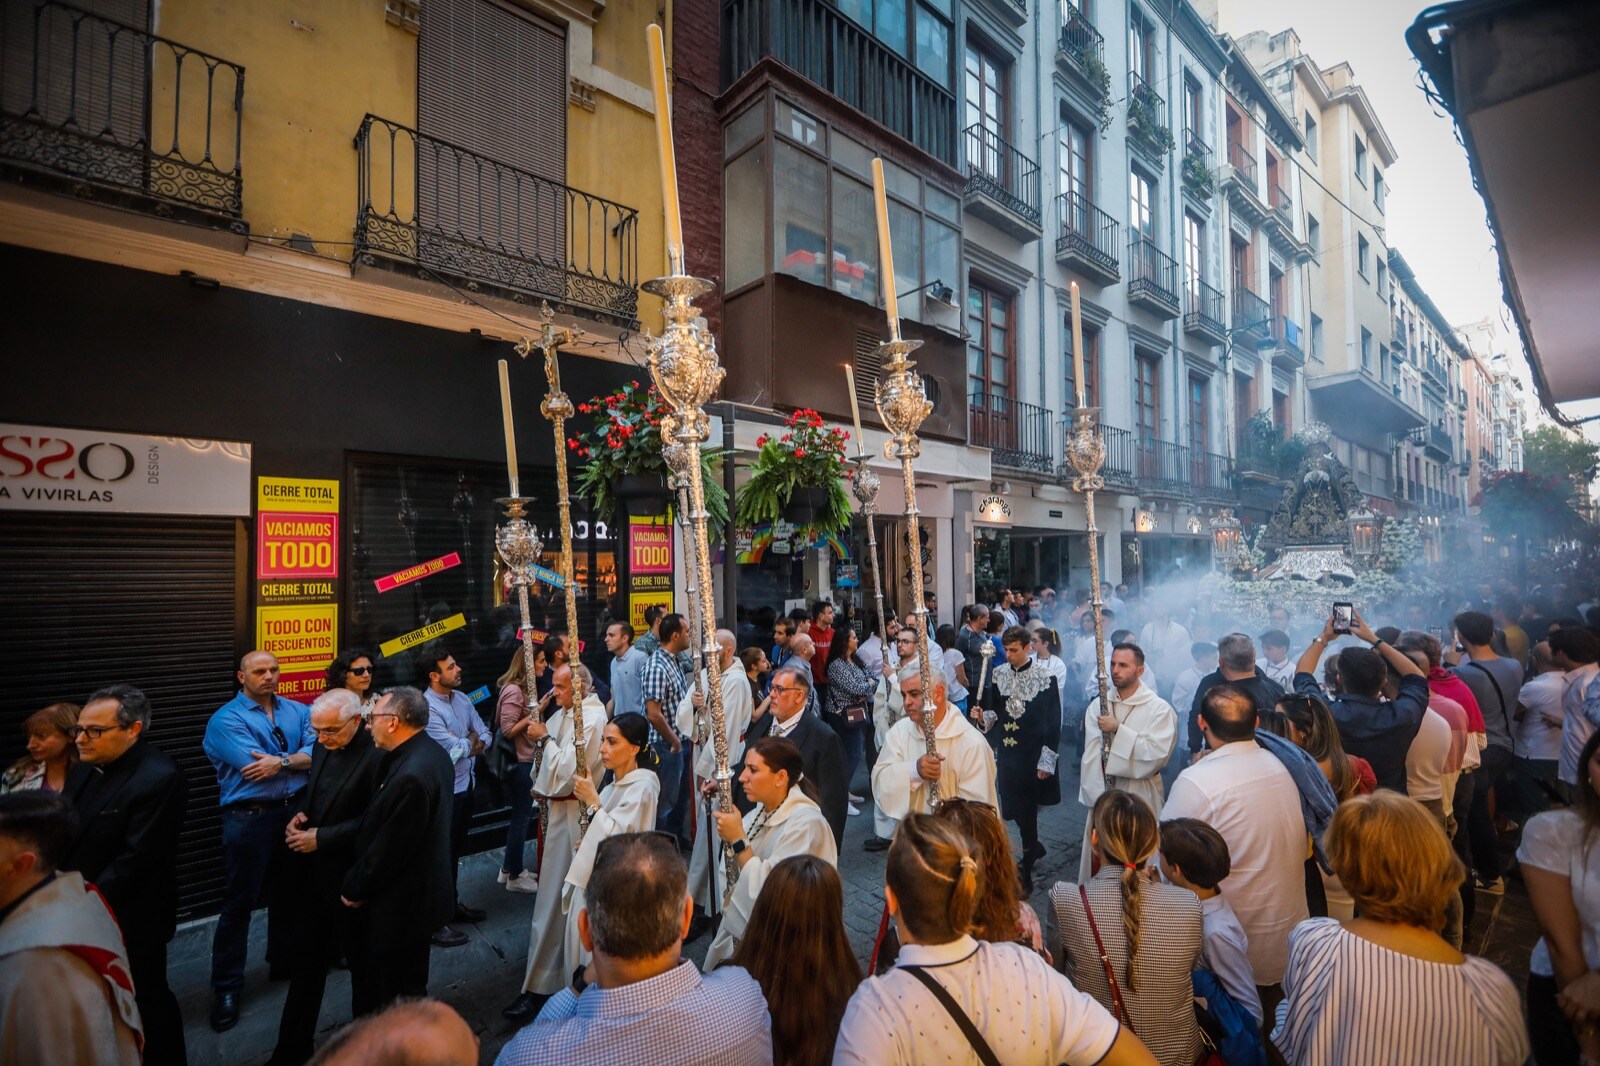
43	468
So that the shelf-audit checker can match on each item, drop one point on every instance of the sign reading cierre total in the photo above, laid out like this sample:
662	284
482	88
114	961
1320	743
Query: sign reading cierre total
297	556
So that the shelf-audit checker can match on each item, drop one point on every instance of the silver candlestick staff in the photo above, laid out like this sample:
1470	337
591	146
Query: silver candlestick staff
519	547
864	486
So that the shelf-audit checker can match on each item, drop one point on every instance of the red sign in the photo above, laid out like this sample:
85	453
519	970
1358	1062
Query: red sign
296	545
417	573
302	686
649	549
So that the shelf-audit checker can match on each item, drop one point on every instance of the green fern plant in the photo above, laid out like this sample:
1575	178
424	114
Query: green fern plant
808	455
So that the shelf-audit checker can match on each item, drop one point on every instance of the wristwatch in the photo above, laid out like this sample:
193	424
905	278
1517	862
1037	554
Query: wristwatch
283	761
738	846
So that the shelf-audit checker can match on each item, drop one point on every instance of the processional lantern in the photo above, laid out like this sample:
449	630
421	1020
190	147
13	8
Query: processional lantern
1366	529
1227	539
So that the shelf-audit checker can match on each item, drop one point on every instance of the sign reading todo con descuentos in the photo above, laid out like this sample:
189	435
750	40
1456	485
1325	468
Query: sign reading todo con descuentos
297	560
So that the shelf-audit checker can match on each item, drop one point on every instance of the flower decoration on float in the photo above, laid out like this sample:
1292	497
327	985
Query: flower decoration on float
798	475
625	442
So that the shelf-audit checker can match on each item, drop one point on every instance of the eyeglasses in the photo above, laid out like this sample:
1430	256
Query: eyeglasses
279	739
361	671
788	688
382	714
93	732
334	730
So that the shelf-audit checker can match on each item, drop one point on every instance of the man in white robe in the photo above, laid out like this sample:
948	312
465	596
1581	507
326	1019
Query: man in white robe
964	765
694	720
1143	729
548	970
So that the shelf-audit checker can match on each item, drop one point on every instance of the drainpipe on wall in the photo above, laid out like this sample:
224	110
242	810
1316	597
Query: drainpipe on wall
1180	406
1039	138
730	566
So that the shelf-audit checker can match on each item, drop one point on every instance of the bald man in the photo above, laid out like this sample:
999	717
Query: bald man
260	745
418	1032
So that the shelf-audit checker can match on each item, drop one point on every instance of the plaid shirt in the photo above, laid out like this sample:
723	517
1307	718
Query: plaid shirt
660	679
679	1018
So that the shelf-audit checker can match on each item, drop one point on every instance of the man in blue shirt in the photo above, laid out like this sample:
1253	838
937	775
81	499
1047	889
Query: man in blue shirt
627	691
455	725
260	745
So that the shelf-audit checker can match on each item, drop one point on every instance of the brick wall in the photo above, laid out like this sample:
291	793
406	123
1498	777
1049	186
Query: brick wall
696	72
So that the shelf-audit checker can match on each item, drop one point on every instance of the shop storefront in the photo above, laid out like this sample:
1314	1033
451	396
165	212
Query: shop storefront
226	470
1024	542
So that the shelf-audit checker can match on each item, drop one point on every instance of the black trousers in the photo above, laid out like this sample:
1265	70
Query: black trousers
1026	815
397	949
1480	824
461	807
323	928
1549	1031
158	1007
1461	804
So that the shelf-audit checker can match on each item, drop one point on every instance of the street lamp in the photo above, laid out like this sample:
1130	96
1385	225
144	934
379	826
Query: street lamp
1226	537
1365	531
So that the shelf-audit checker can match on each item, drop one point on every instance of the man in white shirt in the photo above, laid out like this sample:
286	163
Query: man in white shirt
694	721
1143	730
1537	725
871	650
1204	657
1275	662
1577	652
1243	792
963	767
1165	643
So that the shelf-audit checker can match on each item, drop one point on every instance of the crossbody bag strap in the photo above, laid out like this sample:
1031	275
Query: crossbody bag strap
1123	1014
981	1046
1505	712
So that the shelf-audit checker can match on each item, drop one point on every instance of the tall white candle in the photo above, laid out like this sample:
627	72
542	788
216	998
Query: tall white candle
668	158
855	408
511	434
1077	348
885	249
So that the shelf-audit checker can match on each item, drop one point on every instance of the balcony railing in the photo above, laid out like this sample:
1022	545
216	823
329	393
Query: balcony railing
1210	474
1282	206
1018	434
1439	440
460	215
1152	276
1088	234
1080	42
1373	484
111	112
1147	116
1206	312
1251	315
1243	163
1288	335
817	41
997	170
1434	368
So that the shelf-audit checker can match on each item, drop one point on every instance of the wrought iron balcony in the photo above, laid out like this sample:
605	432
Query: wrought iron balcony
821	44
1211	475
1147	126
1243	164
1205	316
1397	334
1282	206
108	112
1440	442
1002	183
1118	469
1152	277
1251	316
1081	48
1197	176
1288	338
433	206
1089	238
1162	466
1434	368
1019	435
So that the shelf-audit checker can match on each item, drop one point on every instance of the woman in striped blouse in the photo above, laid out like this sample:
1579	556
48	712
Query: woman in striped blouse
1385	988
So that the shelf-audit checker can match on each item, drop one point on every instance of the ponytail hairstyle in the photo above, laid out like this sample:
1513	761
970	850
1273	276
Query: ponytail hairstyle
635	729
934	875
781	753
1320	740
1128	836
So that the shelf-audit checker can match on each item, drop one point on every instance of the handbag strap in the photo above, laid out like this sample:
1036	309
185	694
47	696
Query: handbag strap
981	1046
1505	712
1123	1014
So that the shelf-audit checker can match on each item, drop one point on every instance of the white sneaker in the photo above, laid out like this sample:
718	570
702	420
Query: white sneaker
526	881
854	810
504	876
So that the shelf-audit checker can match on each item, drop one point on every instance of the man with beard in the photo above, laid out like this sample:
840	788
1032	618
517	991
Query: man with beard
1136	732
454	723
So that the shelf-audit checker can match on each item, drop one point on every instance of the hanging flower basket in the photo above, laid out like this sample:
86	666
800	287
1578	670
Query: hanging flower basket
798	476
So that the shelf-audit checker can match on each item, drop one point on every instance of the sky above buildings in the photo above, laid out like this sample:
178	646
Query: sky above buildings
1436	218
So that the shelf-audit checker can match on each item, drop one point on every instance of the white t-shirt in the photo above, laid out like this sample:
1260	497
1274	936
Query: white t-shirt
1559	841
1425	759
956	690
1539	732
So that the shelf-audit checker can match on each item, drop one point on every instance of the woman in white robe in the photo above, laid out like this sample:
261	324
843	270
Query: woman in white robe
786	821
548	970
626	805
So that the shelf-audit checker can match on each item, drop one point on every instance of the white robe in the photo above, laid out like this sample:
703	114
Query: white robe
1057	666
797	827
737	707
627	805
1139	751
968	770
548	970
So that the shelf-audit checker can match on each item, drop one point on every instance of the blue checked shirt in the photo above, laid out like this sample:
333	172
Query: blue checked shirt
240	727
661	680
679	1018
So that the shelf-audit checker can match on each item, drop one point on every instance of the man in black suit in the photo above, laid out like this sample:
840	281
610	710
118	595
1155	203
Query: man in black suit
402	873
818	743
130	798
345	765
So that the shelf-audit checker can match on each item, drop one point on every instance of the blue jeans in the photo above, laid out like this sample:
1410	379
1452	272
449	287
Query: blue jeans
251	840
518	782
854	743
669	818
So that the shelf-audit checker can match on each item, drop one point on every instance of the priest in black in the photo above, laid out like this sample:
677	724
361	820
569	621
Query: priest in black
402	874
1021	713
345	765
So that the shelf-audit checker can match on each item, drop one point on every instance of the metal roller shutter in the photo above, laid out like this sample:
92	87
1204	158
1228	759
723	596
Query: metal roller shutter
91	600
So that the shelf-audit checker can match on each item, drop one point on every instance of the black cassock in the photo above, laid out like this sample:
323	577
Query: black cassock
1027	706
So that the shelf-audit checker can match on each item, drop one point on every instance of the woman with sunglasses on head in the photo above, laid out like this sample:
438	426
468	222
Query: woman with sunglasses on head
950	994
51	751
353	670
514	721
785	821
1045	646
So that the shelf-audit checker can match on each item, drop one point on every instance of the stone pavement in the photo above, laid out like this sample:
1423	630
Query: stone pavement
481	977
